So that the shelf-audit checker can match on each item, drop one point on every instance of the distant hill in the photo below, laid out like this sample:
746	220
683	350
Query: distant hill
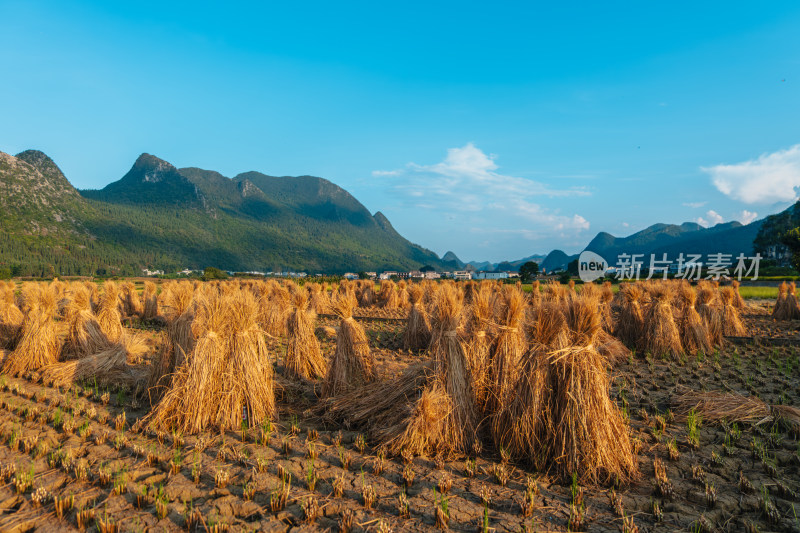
159	216
556	260
451	260
730	238
775	226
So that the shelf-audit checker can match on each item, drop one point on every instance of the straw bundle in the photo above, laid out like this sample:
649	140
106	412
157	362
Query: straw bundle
150	306
403	297
554	291
352	362
709	309
479	317
430	407
179	340
84	335
132	304
108	315
522	425
10	319
303	355
738	301
731	323
275	310
452	370
247	382
507	347
320	303
108	367
661	336
786	307
227	381
630	325
39	343
365	293
536	293
732	407
388	407
693	330
417	335
387	296
588	435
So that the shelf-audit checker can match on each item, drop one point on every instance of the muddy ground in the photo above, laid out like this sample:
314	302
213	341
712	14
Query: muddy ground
71	459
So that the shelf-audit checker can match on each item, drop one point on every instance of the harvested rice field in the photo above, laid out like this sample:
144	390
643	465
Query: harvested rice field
252	406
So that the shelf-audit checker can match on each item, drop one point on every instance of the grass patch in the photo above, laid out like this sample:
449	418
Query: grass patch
758	292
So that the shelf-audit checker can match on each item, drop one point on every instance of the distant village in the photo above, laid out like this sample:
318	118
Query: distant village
467	274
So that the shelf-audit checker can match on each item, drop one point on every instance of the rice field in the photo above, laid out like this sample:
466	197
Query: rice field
242	406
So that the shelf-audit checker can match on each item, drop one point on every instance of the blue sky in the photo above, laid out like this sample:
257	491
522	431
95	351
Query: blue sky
493	130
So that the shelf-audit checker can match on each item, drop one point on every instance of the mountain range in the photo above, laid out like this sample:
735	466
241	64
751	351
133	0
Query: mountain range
728	238
160	216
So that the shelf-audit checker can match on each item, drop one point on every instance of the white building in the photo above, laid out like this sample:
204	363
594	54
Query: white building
148	272
432	275
350	276
462	275
388	274
491	275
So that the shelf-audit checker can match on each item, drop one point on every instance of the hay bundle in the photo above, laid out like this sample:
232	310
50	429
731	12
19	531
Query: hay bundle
10	319
108	367
693	330
365	293
385	407
731	323
786	307
108	315
388	297
274	311
709	309
522	425
84	334
452	369
470	291
227	380
403	295
320	303
247	381
588	435
779	312
732	407
39	341
179	340
738	301
536	294
443	418
303	355
352	362
479	321
506	348
430	408
606	298
132	303
630	325
417	335
150	306
661	336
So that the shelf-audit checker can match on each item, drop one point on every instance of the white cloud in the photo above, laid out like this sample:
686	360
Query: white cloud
713	219
769	178
694	205
746	217
467	181
379	173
